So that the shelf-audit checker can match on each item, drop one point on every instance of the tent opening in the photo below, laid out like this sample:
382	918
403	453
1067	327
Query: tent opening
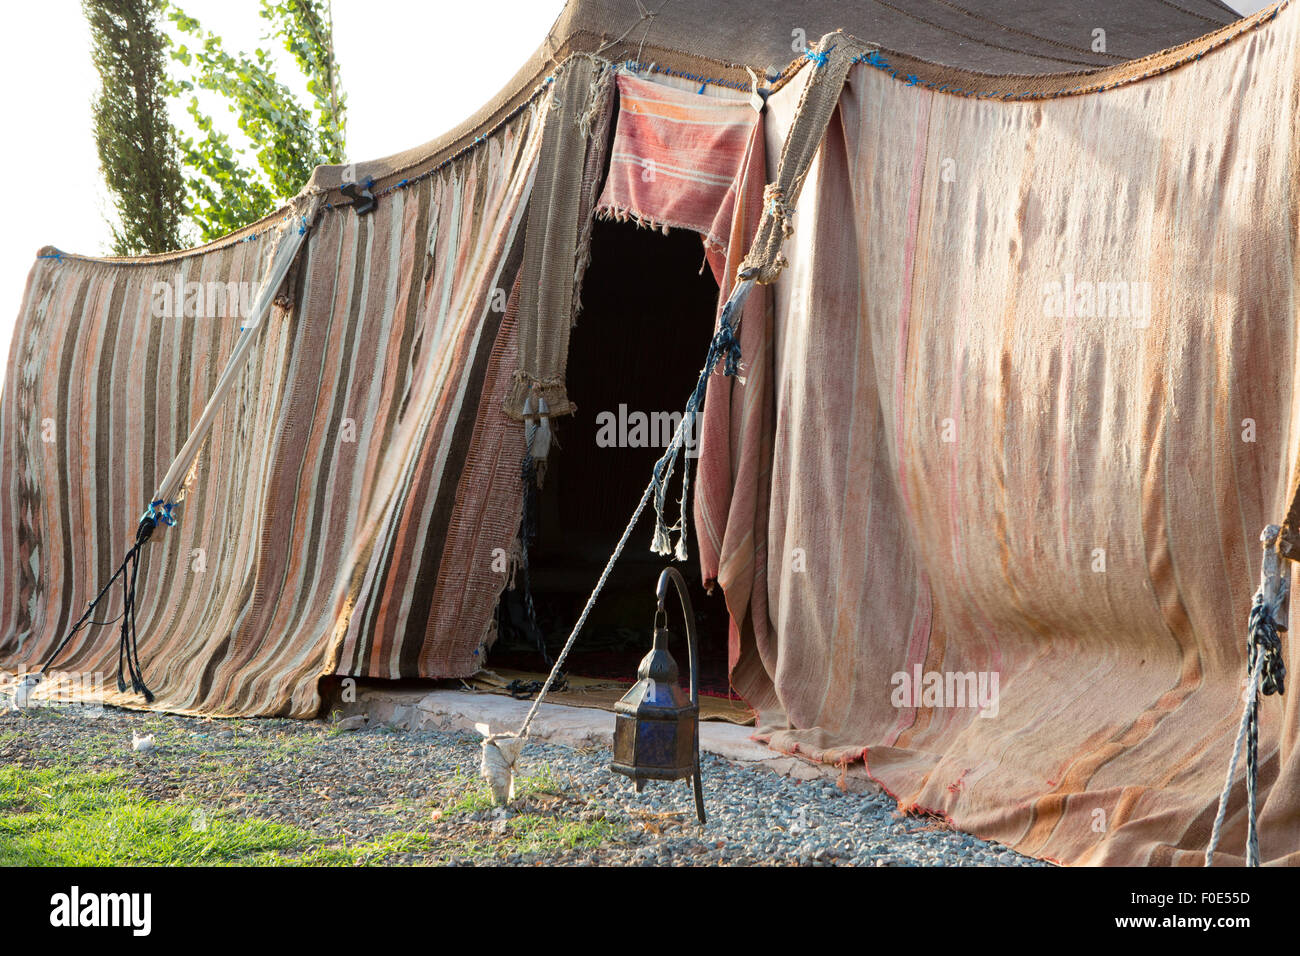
634	356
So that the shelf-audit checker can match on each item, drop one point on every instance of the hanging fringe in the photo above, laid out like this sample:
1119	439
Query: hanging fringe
726	347
591	116
524	386
611	212
537	446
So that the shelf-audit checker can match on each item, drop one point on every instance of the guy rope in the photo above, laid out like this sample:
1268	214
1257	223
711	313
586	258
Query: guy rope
1267	672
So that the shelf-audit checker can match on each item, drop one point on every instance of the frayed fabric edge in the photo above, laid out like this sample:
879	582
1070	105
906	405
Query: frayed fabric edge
613	212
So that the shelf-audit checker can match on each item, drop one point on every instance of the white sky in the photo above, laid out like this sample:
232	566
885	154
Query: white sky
411	70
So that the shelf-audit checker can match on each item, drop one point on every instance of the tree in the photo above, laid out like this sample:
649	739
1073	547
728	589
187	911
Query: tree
286	139
136	142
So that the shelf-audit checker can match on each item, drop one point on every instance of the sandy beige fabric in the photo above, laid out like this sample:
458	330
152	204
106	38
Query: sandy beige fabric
559	215
992	459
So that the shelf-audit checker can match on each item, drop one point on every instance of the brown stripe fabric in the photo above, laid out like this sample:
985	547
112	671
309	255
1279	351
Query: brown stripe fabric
332	470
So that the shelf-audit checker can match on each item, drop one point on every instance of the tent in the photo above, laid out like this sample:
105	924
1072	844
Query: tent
1017	392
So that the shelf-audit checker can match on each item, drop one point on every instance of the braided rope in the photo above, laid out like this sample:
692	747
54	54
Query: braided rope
1252	689
1267	673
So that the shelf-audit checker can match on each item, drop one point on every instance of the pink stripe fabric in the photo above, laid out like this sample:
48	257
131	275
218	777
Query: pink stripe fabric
674	157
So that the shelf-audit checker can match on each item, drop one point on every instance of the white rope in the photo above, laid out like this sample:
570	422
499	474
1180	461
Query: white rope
500	751
1252	689
731	308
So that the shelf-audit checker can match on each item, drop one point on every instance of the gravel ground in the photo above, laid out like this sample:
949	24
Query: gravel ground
347	788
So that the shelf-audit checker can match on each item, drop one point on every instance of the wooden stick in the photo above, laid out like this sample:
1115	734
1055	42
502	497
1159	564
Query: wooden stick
1275	575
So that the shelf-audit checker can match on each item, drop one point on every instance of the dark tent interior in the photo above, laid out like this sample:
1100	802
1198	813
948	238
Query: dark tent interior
634	357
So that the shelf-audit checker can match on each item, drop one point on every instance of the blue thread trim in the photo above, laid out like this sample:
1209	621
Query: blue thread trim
638	67
818	57
57	256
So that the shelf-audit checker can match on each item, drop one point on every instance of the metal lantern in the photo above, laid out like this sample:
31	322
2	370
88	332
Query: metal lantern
656	726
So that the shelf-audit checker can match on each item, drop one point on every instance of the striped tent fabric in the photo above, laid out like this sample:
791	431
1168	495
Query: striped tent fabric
1035	401
984	501
674	157
354	472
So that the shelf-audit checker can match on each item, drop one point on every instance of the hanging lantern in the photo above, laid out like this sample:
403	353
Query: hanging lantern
656	726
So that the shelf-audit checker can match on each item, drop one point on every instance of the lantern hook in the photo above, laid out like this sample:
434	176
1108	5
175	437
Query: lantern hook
671	574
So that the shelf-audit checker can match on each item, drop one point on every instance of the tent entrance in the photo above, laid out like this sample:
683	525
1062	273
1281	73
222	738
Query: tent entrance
634	356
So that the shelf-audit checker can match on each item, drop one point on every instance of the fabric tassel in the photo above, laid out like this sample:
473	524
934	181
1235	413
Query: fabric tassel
537	436
540	444
725	347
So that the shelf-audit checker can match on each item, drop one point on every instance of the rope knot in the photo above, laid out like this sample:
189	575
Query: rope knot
776	206
1264	639
727	346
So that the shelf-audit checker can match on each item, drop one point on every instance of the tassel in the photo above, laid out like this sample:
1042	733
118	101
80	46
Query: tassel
540	444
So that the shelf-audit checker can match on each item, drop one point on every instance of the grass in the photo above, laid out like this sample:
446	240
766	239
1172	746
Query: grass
545	835
61	816
476	797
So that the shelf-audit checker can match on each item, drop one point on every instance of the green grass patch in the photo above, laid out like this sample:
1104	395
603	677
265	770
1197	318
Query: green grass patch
66	816
545	835
474	795
63	817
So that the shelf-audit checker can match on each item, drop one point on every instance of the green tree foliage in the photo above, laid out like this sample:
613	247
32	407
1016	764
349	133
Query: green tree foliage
228	186
136	142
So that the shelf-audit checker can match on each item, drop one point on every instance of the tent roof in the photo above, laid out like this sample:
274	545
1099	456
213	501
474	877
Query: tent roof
1003	48
965	43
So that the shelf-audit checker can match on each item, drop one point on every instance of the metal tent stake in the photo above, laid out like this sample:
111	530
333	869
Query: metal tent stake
656	728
